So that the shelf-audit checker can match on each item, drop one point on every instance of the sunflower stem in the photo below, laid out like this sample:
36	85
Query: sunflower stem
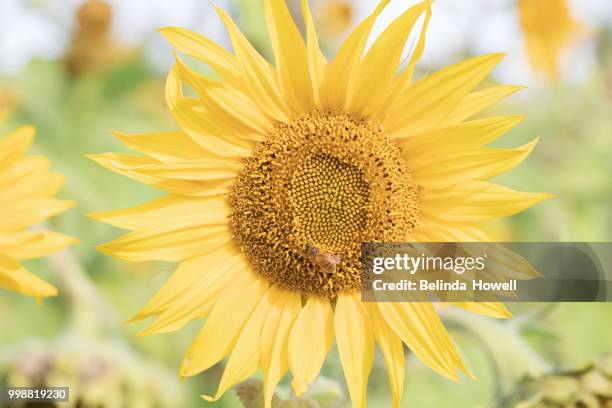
90	313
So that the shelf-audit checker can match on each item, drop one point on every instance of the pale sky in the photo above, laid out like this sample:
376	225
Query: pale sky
40	28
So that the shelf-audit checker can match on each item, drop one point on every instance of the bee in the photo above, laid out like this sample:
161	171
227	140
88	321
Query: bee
327	261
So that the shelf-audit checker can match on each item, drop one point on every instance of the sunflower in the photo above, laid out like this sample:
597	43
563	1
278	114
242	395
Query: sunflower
334	17
26	198
549	29
279	172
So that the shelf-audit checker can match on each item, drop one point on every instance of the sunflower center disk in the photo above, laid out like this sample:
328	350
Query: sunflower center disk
312	192
328	198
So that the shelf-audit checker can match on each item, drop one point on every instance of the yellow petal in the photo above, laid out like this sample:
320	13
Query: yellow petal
355	342
405	79
220	332
311	338
15	145
15	278
379	66
165	146
507	264
491	309
477	102
462	136
126	165
188	274
437	230
203	170
291	56
19	172
197	301
317	62
167	244
230	107
29	211
37	244
548	28
206	50
200	126
32	185
172	210
477	200
18	238
133	166
419	326
340	74
424	105
393	353
476	164
245	357
259	76
274	340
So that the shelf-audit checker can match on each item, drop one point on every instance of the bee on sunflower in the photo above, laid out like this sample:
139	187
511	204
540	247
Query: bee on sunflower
27	190
279	171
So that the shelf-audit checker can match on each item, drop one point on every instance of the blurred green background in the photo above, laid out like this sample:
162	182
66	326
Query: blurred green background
98	82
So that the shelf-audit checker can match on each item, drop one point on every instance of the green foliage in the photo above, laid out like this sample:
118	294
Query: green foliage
75	117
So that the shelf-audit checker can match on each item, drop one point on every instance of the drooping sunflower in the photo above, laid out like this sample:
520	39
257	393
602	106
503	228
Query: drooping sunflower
277	174
27	191
549	28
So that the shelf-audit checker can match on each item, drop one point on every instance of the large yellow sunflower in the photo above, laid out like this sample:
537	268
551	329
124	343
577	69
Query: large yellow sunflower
27	190
549	28
279	172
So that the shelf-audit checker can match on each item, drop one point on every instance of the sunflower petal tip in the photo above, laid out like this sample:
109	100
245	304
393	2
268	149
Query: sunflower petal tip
453	377
105	249
298	387
131	320
210	398
184	369
218	8
528	147
146	333
117	133
470	374
93	215
96	157
166	29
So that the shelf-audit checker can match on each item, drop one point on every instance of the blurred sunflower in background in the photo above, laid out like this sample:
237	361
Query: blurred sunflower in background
549	29
277	175
333	17
91	47
27	190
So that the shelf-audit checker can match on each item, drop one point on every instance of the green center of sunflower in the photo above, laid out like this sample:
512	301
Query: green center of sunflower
312	192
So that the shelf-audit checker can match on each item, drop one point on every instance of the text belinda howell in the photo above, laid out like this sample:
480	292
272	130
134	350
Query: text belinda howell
441	285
